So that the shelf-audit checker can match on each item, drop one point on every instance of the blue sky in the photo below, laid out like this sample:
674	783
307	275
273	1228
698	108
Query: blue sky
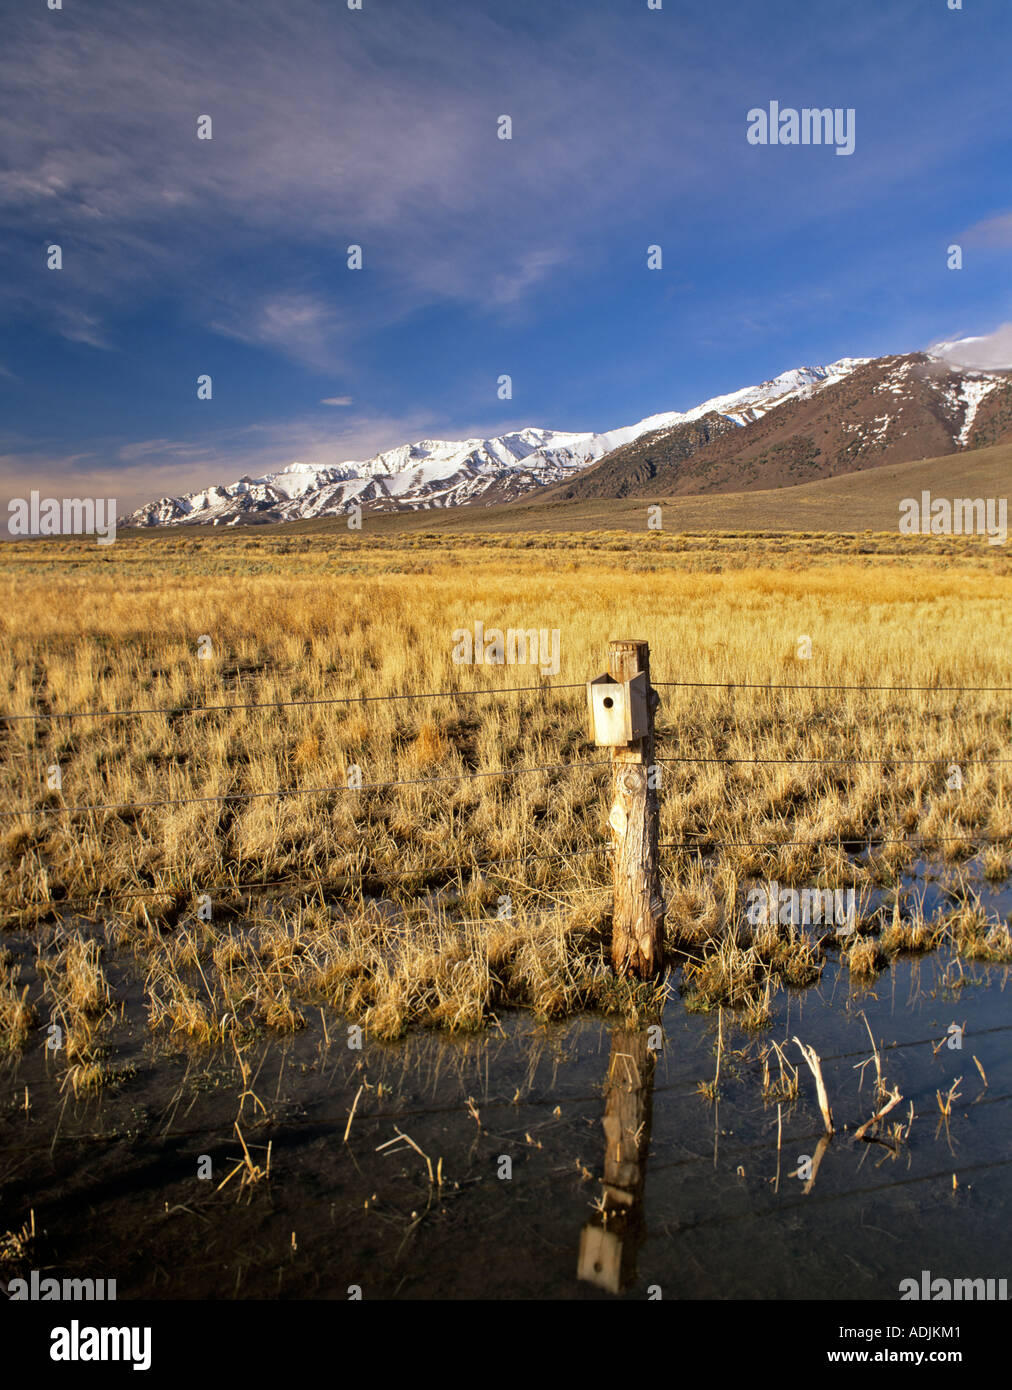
481	256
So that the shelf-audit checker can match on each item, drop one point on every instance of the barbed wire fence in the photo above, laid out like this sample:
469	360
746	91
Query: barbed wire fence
699	844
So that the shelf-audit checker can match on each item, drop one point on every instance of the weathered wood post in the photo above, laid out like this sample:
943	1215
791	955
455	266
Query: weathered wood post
623	704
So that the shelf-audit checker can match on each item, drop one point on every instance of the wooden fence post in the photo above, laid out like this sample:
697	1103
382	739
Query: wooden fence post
638	915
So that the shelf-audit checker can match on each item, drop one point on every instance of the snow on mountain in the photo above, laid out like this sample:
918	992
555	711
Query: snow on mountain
973	392
446	473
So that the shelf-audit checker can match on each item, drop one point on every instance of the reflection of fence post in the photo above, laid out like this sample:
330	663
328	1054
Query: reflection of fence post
638	915
609	1241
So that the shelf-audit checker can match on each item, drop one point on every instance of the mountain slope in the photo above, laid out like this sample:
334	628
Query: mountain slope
847	505
883	411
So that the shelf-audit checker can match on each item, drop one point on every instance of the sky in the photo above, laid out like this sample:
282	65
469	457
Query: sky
481	257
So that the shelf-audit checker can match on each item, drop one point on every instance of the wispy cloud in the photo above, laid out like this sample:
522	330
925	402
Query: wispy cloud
304	328
992	231
989	350
530	269
161	449
336	400
80	326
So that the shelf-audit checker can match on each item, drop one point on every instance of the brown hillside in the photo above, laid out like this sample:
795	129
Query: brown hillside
890	411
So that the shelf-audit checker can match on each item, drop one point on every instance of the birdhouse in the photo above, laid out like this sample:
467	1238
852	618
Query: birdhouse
618	710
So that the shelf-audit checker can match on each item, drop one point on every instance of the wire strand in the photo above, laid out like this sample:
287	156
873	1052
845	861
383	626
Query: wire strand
282	792
849	762
899	689
289	704
285	792
508	690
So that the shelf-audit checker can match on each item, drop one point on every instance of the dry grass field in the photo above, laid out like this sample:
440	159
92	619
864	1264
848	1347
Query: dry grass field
459	890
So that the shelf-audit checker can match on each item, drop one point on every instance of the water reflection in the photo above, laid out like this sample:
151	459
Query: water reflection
610	1240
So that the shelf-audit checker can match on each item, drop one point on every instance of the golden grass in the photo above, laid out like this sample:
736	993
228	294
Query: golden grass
16	1246
17	1017
865	956
405	925
78	995
978	936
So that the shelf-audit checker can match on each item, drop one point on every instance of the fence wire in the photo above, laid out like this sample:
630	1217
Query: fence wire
701	843
176	711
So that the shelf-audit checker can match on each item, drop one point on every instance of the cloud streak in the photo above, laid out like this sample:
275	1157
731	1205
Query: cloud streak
992	231
302	327
992	350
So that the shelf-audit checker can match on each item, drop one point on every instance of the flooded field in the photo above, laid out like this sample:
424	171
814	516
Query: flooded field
590	1159
306	982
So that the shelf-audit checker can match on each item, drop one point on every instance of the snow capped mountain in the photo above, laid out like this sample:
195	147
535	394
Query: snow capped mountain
753	402
434	473
428	473
862	413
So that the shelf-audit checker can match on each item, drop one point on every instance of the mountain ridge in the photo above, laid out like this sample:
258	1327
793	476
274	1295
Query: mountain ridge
753	437
885	410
